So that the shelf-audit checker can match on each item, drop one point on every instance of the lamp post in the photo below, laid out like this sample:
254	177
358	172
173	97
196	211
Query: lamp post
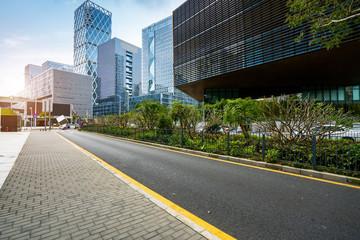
35	112
31	118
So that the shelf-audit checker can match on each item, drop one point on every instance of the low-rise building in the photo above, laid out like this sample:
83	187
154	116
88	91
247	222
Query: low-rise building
56	86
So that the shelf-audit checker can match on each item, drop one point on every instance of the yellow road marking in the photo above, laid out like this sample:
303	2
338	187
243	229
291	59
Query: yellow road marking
217	232
241	164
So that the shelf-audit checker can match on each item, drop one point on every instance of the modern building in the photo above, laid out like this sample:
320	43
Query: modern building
60	66
31	71
157	65
230	49
92	27
119	74
61	87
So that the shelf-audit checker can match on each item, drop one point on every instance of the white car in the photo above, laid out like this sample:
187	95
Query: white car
73	126
64	126
337	132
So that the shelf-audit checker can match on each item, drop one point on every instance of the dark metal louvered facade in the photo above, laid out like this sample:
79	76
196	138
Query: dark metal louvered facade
247	48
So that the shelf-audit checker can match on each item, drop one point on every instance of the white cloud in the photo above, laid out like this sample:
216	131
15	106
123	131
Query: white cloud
14	42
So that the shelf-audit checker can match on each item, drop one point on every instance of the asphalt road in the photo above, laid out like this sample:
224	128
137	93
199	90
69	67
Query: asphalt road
245	202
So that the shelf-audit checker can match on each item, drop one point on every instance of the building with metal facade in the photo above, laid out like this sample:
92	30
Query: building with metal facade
31	71
157	65
119	72
92	27
62	87
233	48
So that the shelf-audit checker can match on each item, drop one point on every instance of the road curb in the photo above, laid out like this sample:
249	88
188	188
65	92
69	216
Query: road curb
288	169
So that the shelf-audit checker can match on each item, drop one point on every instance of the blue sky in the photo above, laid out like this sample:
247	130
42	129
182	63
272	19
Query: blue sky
33	31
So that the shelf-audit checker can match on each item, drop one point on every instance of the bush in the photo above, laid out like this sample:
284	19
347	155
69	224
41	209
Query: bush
272	155
250	150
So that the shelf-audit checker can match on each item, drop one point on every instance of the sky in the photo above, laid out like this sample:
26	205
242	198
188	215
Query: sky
34	31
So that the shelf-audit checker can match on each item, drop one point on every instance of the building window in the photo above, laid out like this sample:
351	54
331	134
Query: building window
341	93
356	93
349	94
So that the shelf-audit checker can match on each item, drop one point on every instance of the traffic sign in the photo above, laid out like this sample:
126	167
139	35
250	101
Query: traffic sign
35	115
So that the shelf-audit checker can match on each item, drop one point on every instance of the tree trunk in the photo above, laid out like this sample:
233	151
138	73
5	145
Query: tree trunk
244	130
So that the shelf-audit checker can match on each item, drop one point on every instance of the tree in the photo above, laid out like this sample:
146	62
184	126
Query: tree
137	119
240	112
193	118
178	114
213	115
297	117
330	21
164	121
149	111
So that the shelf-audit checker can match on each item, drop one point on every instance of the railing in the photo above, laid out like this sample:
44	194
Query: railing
333	152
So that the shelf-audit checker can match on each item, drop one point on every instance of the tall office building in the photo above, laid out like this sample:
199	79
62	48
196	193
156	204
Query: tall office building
119	72
92	27
231	48
157	64
157	58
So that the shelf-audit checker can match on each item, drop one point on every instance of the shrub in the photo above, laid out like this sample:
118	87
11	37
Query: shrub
272	155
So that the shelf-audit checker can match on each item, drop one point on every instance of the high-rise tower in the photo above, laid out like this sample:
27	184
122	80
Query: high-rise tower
92	27
157	65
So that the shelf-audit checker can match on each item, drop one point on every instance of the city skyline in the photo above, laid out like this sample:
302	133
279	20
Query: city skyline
43	30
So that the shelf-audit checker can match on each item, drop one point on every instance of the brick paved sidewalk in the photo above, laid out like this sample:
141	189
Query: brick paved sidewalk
56	191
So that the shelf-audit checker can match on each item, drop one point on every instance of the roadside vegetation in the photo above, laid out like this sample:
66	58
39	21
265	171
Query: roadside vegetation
287	130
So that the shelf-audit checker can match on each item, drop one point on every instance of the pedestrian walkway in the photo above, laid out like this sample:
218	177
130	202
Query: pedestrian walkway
55	191
11	144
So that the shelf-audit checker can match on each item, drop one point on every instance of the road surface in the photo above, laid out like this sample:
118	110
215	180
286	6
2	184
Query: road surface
245	202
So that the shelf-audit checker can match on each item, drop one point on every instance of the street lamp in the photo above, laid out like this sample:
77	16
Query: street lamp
31	118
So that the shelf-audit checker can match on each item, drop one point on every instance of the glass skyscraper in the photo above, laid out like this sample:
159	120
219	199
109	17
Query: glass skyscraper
157	63
157	57
92	28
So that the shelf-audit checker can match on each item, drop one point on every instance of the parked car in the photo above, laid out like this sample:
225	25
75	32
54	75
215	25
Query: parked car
64	126
335	132
73	126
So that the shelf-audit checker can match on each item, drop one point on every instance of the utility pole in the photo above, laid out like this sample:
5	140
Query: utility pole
50	108
71	113
0	120
35	112
31	118
45	116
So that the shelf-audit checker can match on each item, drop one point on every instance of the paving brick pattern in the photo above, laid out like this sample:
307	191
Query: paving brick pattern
54	191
